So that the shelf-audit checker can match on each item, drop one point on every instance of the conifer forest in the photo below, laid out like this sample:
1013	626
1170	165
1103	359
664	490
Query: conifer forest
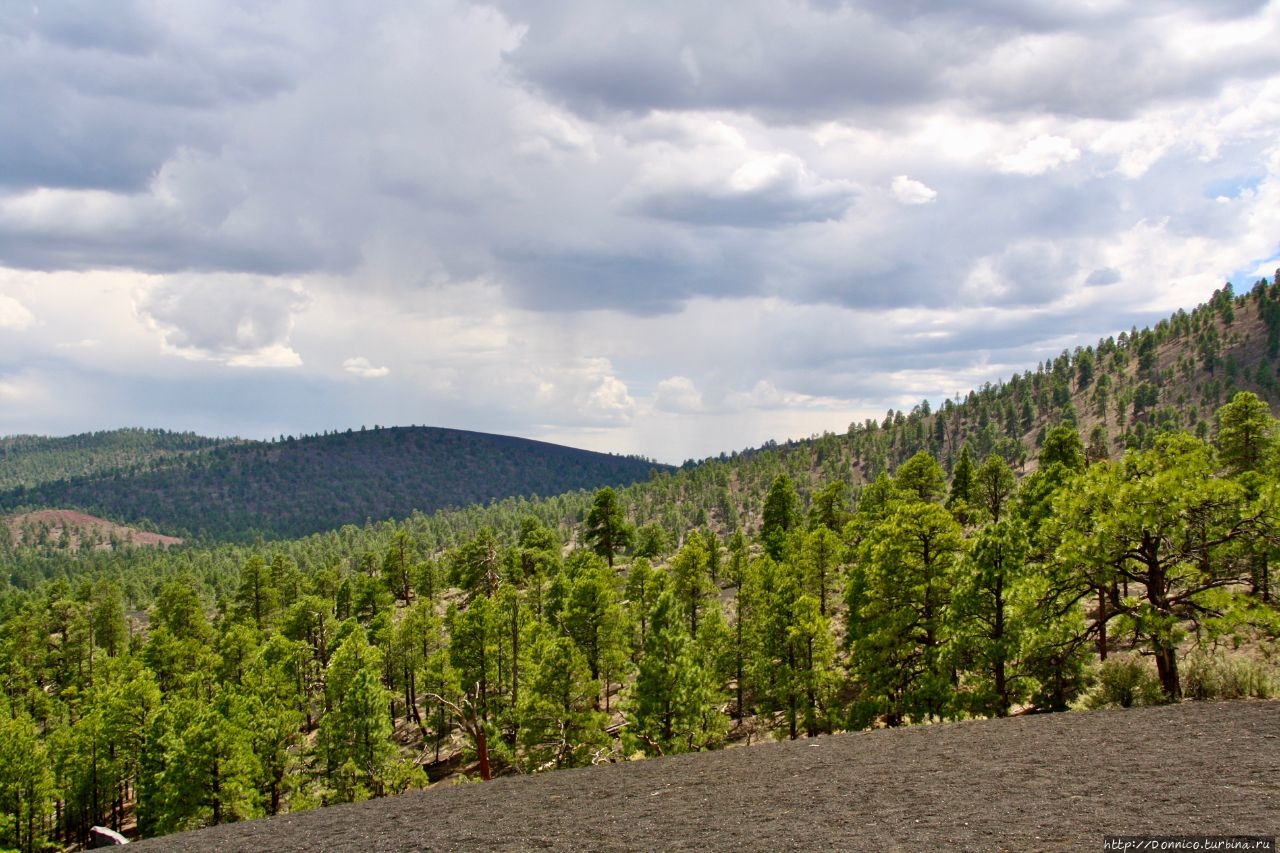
1099	530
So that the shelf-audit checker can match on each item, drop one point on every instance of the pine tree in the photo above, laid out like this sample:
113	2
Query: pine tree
355	736
987	627
607	530
1164	522
781	515
560	726
207	766
900	592
257	596
26	784
820	557
963	487
674	698
691	579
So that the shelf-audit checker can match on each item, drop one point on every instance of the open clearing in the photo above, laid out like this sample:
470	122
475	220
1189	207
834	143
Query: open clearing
1052	782
78	524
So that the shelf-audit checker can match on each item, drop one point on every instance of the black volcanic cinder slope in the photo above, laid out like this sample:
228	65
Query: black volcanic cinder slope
299	486
1056	782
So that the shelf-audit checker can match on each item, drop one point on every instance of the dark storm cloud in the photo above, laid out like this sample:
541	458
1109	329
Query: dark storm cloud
643	284
153	239
258	142
780	59
791	63
765	207
101	95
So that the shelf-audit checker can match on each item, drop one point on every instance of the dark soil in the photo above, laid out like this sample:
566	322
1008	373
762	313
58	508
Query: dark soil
1054	783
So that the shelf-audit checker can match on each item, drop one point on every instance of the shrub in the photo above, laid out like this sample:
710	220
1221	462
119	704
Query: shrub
1124	680
1210	676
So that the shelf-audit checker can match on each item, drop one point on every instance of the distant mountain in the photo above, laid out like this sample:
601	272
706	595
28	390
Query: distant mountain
29	460
192	486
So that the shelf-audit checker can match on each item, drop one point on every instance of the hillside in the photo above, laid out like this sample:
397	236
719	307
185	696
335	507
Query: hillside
67	530
1119	393
29	460
298	486
1012	784
792	591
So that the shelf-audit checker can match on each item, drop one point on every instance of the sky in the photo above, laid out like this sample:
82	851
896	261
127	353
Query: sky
672	228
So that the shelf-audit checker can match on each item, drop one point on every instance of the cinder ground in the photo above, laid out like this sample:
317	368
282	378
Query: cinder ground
1056	782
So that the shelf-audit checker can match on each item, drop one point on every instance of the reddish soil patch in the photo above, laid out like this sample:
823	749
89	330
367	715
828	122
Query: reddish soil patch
79	524
1049	783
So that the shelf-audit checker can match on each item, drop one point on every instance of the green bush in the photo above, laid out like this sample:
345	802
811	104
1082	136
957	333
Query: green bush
1124	680
1222	676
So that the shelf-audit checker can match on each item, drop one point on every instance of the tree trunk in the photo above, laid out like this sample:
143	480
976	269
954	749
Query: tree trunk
439	729
1167	668
515	653
215	789
1001	677
1162	645
792	730
417	714
482	747
1102	624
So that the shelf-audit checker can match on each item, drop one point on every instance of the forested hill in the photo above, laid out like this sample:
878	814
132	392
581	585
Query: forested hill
29	460
297	486
1118	394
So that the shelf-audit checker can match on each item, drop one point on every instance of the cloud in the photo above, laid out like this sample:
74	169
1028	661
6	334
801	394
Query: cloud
240	321
1038	155
713	176
910	191
619	222
763	395
795	62
273	355
360	366
610	400
1103	277
14	315
780	59
677	394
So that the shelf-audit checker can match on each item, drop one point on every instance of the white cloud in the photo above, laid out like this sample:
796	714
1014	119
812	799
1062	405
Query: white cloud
242	321
610	400
910	191
14	315
360	366
677	394
18	392
1038	155
763	395
274	355
708	173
